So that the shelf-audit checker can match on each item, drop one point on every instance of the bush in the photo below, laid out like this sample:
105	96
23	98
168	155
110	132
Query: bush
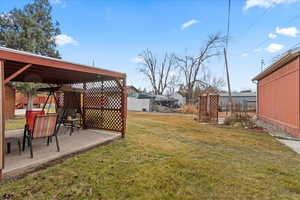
238	120
189	109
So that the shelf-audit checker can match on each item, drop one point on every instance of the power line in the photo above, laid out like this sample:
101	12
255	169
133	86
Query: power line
291	46
268	39
293	19
258	45
257	20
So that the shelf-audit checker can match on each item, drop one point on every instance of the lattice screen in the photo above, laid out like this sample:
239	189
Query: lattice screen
213	108
208	108
203	108
104	105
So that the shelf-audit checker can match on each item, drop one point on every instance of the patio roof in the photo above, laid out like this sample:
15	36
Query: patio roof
27	67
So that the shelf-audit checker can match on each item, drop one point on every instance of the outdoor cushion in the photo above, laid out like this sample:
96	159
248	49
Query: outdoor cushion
30	117
44	125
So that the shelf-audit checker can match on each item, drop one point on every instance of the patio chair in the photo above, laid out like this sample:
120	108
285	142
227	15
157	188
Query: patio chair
61	118
69	123
44	127
30	117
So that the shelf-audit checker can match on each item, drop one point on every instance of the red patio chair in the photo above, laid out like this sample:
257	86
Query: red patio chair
44	127
30	117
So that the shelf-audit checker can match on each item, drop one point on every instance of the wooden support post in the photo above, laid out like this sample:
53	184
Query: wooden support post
2	120
124	107
17	73
83	106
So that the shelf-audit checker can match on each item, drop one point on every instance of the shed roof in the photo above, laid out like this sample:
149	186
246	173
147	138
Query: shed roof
51	70
238	94
280	62
133	88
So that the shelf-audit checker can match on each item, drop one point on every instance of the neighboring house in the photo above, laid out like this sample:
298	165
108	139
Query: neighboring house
132	91
134	104
159	100
145	102
243	99
181	99
136	101
165	101
10	98
139	102
278	92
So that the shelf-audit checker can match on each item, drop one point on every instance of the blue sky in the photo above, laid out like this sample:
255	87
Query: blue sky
114	32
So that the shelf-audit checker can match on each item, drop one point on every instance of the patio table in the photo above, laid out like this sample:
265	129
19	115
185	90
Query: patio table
13	136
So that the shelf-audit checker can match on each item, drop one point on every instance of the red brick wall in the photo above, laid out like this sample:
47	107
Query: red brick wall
10	97
37	100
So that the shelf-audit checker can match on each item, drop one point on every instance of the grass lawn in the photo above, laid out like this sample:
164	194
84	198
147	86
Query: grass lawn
170	157
14	124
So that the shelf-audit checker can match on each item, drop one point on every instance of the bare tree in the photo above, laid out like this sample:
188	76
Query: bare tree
173	84
191	65
158	73
206	84
212	83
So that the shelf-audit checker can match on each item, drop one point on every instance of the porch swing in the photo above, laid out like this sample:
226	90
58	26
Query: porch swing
42	125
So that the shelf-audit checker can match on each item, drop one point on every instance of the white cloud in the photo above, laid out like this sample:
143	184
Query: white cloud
244	54
272	35
189	23
63	39
138	59
289	31
274	47
266	3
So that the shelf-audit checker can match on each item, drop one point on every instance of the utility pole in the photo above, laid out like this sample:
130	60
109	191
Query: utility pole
225	56
228	81
262	64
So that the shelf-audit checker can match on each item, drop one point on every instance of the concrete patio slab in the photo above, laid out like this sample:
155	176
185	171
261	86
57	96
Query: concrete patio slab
82	140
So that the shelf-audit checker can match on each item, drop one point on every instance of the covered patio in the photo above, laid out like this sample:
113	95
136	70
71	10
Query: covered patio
80	141
102	104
